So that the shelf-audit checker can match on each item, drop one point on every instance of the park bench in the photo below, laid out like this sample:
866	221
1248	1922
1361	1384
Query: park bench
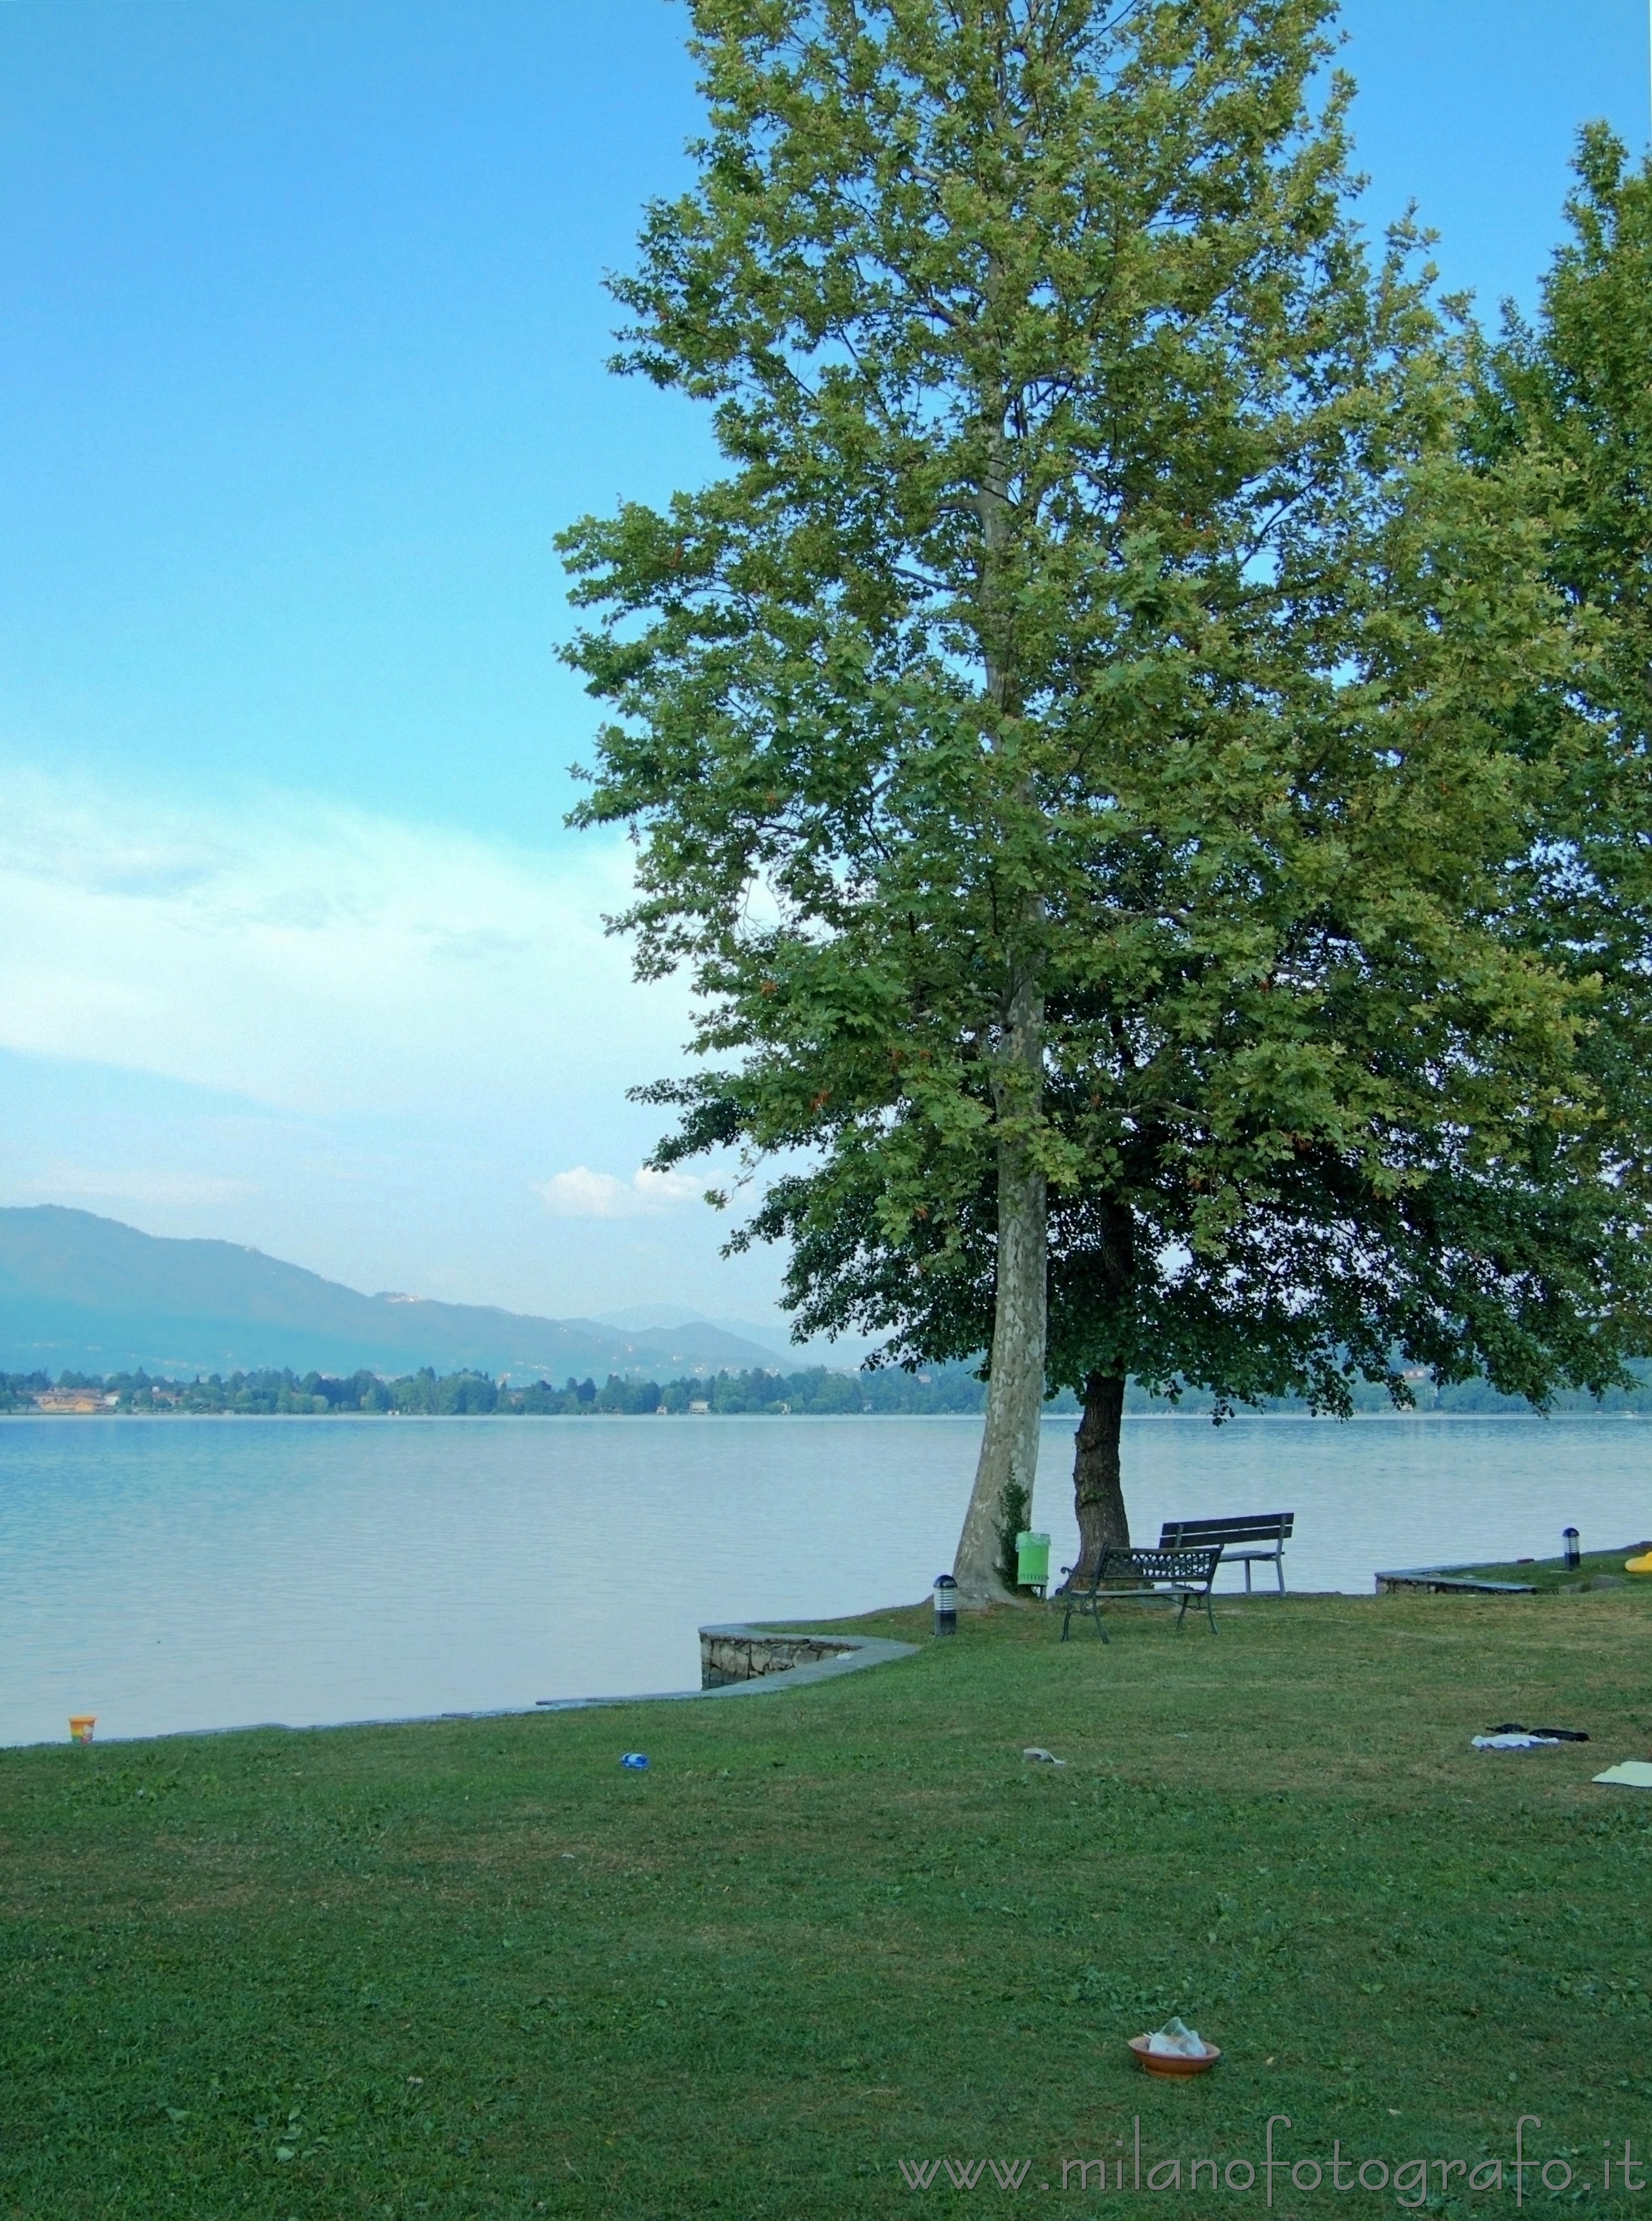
1169	1576
1272	1528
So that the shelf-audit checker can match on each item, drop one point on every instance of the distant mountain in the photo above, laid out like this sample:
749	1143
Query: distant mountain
82	1293
842	1353
647	1318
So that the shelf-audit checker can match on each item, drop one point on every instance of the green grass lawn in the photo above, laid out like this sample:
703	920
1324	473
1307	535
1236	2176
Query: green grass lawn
1553	1574
477	1968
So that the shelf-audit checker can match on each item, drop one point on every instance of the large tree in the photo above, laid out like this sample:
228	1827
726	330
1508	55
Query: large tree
1085	747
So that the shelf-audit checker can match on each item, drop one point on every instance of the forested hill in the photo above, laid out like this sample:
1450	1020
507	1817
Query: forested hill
88	1294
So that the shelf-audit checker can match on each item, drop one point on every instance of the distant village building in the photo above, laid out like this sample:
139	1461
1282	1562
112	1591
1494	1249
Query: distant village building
74	1399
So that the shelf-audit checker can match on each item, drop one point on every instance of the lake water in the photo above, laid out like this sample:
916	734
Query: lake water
166	1575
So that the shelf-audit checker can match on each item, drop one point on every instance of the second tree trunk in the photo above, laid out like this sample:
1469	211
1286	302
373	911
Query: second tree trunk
1098	1487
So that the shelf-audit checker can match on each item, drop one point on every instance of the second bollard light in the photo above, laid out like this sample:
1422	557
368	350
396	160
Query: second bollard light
946	1605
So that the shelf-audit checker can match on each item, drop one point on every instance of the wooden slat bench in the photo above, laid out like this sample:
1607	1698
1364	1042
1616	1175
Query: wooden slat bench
1170	1576
1271	1528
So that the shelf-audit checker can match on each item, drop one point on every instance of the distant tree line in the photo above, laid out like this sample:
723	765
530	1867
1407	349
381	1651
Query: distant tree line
423	1394
888	1391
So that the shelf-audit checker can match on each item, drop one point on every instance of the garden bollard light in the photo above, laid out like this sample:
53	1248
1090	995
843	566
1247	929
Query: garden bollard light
1573	1556
946	1604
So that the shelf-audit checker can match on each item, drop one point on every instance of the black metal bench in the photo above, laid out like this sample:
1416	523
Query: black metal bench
1272	1528
1169	1576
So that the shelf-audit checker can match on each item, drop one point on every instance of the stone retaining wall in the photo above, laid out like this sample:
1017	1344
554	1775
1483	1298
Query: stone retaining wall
1439	1581
726	1656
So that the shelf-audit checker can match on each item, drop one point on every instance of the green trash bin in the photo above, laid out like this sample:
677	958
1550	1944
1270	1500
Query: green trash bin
1032	1560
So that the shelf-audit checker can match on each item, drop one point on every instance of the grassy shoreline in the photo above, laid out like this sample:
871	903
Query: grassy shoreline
1553	1576
475	1968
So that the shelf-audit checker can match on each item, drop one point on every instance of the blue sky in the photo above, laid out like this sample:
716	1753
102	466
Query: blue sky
301	353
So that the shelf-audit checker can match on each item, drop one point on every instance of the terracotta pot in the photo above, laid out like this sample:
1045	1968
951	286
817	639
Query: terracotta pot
1173	2062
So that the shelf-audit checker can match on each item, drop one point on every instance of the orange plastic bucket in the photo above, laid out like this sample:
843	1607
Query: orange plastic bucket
81	1725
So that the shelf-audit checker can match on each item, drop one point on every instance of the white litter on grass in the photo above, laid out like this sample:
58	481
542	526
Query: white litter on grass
1176	2041
1517	1742
1042	1757
1632	1773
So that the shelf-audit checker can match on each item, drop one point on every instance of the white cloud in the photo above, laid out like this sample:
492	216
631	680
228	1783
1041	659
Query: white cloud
317	959
582	1193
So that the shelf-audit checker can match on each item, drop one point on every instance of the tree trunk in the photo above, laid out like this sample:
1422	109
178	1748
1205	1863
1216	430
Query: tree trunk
1015	1394
1097	1491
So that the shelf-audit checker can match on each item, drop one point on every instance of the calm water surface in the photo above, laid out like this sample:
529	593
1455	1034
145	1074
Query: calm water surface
191	1573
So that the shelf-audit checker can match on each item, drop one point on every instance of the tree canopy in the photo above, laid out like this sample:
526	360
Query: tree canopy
1094	745
1574	393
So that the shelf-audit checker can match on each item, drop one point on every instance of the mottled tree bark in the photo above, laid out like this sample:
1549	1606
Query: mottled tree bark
1015	1394
1098	1489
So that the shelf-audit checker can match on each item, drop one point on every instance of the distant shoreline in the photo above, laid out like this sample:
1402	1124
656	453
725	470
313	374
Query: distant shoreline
816	1391
954	1390
1051	1418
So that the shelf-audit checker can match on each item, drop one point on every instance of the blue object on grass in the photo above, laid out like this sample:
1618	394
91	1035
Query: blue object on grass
636	1759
